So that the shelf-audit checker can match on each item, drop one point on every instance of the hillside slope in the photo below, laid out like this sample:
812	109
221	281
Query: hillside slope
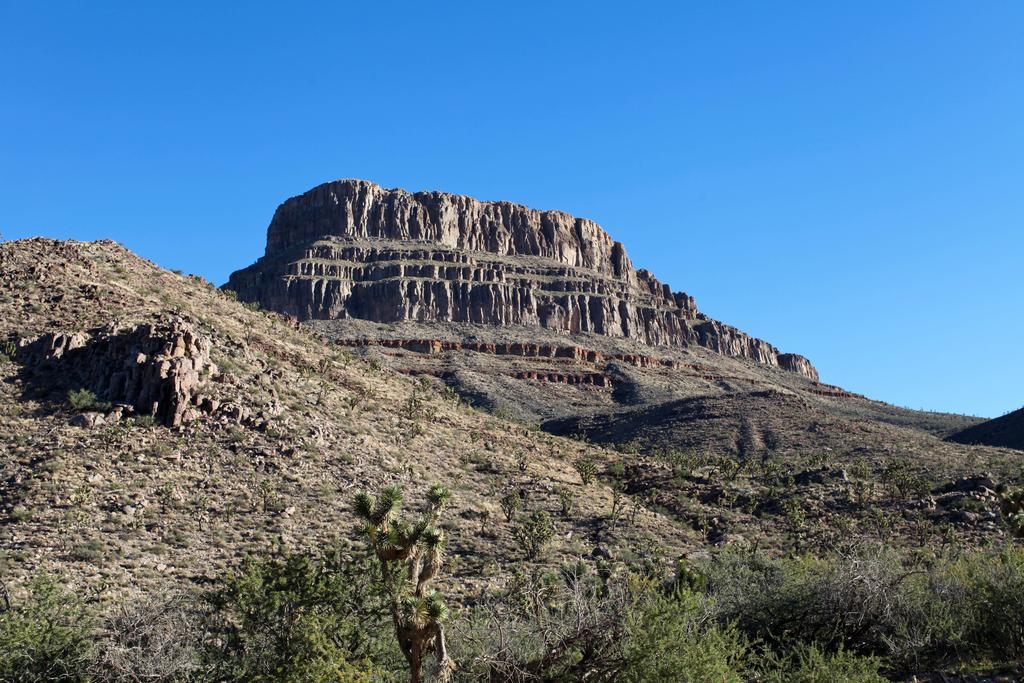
261	432
155	431
1006	431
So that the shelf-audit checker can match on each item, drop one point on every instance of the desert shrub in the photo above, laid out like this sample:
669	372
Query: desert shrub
8	350
857	603
535	533
582	624
808	663
510	504
962	611
82	400
973	607
295	616
671	638
157	638
47	636
563	626
1011	504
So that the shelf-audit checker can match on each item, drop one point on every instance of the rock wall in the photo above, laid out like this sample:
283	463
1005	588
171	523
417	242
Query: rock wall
351	248
154	369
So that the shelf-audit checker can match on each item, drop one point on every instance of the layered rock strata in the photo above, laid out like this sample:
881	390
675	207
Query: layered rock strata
352	249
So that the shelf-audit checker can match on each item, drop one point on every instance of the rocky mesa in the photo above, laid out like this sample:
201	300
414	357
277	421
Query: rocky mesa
352	249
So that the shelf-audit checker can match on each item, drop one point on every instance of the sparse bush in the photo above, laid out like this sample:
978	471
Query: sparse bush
157	638
918	617
545	627
856	603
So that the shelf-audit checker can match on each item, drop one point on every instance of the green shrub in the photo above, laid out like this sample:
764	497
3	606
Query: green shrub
46	636
20	513
669	638
293	616
81	400
8	351
510	504
975	607
808	663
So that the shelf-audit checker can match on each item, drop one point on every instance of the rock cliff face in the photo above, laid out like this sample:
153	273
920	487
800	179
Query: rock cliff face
351	248
156	370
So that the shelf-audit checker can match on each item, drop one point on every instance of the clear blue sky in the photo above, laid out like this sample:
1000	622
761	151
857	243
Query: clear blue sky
845	180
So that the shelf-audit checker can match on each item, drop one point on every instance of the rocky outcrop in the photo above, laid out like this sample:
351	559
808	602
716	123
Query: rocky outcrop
154	369
351	248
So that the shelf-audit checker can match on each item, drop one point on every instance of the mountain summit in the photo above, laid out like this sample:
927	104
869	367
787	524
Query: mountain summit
352	249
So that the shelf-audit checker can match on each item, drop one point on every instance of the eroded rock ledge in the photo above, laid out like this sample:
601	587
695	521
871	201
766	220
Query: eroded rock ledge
352	249
153	369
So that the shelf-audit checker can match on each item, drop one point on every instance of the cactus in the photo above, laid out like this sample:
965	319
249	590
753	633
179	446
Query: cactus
587	469
1011	504
535	533
8	350
410	557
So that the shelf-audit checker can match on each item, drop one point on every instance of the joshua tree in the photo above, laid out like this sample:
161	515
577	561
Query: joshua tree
510	504
587	469
535	533
410	557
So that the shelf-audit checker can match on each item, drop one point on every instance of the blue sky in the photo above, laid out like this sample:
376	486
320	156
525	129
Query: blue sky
845	180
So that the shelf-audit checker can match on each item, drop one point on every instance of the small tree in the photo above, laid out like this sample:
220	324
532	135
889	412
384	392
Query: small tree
410	558
567	501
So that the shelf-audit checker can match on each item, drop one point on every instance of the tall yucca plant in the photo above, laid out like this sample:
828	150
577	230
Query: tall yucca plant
410	557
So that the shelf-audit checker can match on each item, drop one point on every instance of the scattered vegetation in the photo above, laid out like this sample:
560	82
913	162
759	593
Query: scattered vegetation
344	615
